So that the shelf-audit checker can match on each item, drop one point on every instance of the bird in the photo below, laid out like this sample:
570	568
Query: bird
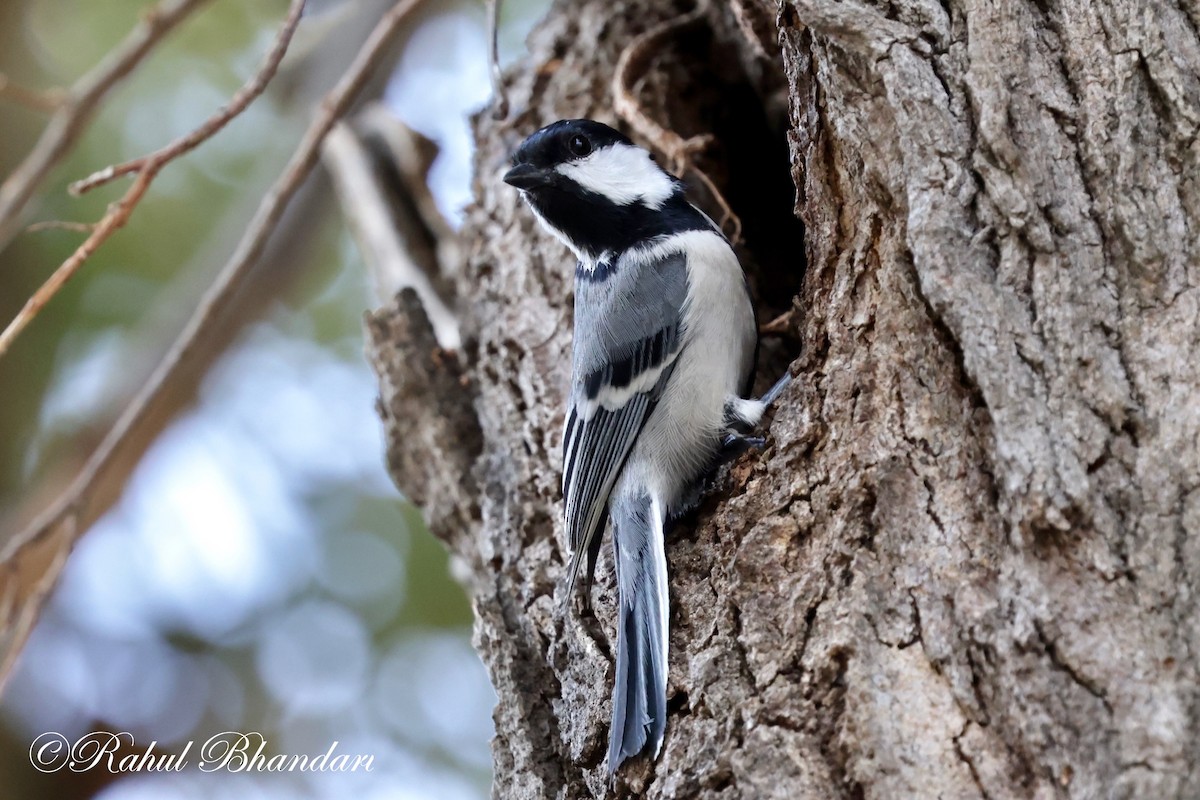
663	356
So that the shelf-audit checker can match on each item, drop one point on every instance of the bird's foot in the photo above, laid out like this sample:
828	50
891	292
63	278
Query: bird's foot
734	444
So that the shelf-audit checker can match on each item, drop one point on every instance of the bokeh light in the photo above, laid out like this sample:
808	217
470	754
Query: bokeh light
259	572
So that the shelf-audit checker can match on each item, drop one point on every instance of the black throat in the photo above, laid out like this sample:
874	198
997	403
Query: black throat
601	229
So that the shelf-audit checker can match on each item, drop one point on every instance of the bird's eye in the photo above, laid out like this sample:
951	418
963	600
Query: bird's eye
579	146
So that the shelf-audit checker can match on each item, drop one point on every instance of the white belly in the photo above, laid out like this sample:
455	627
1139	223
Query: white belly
685	429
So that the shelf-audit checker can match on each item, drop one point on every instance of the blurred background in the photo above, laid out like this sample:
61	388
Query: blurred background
257	571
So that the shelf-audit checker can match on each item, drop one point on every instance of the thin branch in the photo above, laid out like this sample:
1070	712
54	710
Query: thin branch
783	325
45	101
63	516
499	98
244	97
61	225
80	103
116	217
634	61
147	167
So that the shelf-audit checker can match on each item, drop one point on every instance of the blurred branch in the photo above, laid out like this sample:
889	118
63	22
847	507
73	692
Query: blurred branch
379	168
244	97
45	101
499	97
147	168
80	102
116	217
61	225
32	560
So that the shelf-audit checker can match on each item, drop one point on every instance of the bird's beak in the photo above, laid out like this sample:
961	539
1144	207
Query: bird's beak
525	176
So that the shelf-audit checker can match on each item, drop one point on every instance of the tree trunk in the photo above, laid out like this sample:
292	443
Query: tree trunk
968	562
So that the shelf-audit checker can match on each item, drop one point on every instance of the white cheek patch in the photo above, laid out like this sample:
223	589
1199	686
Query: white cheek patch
622	174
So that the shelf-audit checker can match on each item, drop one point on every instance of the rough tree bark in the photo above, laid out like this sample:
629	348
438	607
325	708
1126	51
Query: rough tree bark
968	563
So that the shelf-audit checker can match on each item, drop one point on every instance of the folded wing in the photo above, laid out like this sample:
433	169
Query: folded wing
628	335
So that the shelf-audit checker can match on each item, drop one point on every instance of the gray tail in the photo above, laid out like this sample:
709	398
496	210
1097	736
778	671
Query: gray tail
639	716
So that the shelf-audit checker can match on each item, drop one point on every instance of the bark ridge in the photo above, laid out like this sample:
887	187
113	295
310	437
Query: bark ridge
967	564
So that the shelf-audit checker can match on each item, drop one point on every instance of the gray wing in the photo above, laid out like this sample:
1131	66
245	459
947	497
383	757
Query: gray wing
628	334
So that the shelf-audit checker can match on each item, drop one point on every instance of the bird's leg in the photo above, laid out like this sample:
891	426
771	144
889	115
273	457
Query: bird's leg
773	393
741	417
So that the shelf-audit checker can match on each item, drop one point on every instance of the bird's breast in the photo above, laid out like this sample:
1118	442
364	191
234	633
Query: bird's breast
719	334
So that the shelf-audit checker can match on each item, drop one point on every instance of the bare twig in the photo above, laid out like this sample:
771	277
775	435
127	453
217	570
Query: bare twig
147	167
499	98
114	219
44	101
61	225
61	519
783	324
634	61
244	97
80	103
727	215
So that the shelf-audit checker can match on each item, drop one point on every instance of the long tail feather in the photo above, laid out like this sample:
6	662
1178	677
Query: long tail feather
639	717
